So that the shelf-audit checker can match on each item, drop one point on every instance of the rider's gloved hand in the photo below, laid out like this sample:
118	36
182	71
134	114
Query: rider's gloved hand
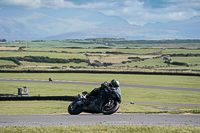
87	95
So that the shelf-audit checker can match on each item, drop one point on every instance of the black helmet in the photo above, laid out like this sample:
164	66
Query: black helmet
114	83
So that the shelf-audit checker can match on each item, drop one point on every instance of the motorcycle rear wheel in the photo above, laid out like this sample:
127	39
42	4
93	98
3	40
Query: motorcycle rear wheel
75	111
108	110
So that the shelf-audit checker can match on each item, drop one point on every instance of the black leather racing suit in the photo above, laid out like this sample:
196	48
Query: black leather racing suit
96	91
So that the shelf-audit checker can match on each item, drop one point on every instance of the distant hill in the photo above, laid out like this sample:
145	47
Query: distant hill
15	30
16	22
60	24
121	31
186	29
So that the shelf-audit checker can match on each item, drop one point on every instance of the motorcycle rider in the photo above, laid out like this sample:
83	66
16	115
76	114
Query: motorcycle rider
104	87
105	99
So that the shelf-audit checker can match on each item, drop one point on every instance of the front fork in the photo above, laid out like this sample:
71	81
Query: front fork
75	105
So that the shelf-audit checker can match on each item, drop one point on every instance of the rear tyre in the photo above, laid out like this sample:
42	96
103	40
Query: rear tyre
74	111
109	107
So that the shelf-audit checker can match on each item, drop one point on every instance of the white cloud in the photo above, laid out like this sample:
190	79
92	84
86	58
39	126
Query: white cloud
26	3
133	11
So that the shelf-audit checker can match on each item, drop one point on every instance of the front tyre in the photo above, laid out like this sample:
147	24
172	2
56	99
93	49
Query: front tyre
74	110
109	107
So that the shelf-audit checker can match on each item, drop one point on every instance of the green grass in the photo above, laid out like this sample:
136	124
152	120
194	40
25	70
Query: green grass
37	64
49	54
9	48
154	62
44	89
58	107
33	107
188	60
90	44
138	51
53	44
102	129
67	49
102	57
6	62
160	96
181	51
111	58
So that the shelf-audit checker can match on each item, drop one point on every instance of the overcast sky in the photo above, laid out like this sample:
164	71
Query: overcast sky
137	12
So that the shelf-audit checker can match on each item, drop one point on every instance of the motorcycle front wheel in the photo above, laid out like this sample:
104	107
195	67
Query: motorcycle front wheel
74	111
109	107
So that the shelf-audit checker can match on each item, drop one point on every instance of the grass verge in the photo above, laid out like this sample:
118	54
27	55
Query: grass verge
102	129
57	107
61	107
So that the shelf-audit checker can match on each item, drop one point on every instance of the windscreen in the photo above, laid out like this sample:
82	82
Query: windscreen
118	90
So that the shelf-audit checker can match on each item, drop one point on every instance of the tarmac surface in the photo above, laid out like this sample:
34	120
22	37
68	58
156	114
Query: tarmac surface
100	119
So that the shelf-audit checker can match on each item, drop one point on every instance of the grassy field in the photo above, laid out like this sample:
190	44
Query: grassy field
181	51
83	50
102	129
9	48
6	62
53	44
119	58
44	65
98	43
109	58
189	60
138	51
59	49
155	63
49	54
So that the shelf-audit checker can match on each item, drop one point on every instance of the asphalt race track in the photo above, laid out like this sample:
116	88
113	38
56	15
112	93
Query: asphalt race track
90	119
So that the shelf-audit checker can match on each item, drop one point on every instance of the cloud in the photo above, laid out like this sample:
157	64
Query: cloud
26	3
140	12
137	12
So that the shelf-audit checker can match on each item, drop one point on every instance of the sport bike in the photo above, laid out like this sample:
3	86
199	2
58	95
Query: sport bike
106	102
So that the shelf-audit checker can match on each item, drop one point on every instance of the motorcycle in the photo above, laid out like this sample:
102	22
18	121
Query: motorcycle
107	102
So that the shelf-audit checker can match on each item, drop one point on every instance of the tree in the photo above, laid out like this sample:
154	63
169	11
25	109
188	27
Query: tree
3	40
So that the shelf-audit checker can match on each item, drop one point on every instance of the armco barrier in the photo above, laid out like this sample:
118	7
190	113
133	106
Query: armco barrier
29	98
107	72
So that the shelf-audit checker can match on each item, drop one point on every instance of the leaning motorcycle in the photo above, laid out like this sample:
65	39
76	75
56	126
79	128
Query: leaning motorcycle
107	102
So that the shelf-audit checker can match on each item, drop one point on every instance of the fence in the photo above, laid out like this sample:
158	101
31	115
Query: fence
29	98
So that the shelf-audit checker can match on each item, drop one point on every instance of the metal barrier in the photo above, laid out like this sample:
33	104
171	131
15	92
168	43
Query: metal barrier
29	98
